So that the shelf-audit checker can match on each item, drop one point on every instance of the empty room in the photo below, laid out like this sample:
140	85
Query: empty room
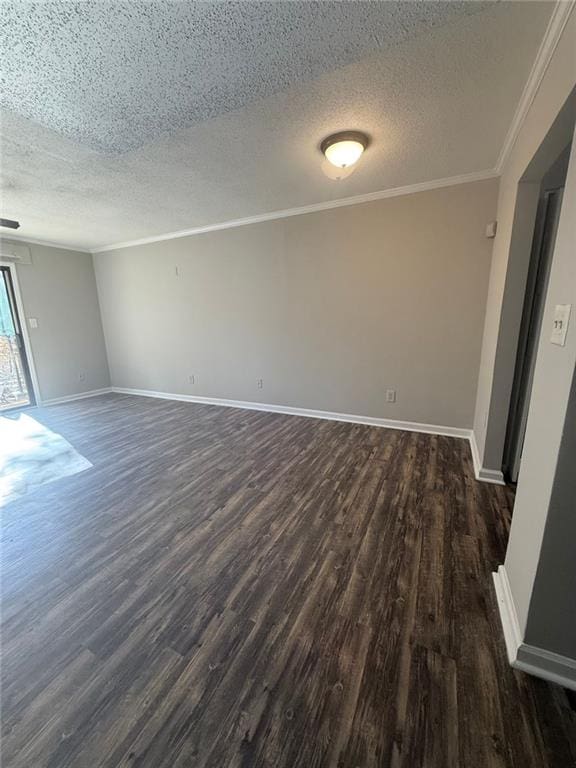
287	384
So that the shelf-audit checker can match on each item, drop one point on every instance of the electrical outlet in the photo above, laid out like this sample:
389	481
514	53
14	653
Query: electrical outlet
82	376
193	379
260	383
390	395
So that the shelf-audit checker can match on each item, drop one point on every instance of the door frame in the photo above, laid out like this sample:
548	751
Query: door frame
25	336
546	225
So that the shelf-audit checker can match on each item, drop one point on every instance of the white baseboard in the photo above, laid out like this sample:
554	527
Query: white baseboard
408	426
548	665
482	474
529	658
508	615
79	396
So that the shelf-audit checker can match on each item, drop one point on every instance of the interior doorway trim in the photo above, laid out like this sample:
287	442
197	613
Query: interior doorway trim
482	473
24	328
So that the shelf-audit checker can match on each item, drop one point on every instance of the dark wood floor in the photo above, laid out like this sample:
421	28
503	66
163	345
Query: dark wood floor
235	588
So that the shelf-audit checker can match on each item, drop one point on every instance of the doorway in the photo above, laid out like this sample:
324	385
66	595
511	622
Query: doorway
546	225
16	390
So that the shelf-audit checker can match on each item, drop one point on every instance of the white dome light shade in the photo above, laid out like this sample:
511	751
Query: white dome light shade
344	153
344	149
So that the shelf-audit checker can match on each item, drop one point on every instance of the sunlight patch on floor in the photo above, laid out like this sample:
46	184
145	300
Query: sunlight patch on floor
31	455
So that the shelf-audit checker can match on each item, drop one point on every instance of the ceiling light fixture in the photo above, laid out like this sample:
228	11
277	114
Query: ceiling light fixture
345	148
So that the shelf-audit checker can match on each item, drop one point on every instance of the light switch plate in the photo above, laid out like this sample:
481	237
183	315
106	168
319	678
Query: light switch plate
560	324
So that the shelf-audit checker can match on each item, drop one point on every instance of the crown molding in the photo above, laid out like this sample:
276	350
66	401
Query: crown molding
410	189
424	186
558	20
46	243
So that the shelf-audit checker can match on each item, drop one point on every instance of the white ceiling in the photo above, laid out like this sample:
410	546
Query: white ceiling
124	120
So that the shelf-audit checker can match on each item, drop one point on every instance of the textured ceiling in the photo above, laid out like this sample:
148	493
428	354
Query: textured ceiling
115	75
130	119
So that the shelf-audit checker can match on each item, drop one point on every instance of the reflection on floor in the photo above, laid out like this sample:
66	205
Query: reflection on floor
31	454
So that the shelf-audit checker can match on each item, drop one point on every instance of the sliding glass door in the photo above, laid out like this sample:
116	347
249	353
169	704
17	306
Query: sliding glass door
15	385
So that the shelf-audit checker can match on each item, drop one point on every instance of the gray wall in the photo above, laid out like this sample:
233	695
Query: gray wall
59	289
506	285
544	132
552	612
328	309
547	415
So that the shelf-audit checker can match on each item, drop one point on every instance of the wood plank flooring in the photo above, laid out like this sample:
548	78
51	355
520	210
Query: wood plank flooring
230	588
